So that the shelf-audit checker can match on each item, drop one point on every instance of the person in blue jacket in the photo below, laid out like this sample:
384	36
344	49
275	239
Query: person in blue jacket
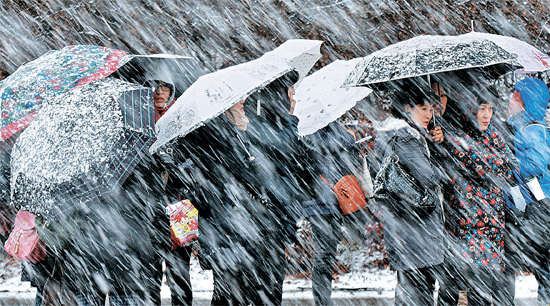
528	108
532	148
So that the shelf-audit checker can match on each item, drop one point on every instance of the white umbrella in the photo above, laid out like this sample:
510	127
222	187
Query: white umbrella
531	58
320	98
214	93
298	54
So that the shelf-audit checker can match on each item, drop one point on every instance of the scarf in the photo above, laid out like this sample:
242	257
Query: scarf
159	111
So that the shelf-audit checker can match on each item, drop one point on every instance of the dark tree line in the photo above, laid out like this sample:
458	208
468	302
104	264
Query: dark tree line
220	32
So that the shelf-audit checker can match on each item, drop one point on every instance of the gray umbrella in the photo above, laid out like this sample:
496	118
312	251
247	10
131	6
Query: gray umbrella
429	54
182	71
83	144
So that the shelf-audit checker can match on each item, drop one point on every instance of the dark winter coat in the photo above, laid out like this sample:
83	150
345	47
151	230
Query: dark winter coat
333	155
483	162
115	241
412	241
246	185
6	212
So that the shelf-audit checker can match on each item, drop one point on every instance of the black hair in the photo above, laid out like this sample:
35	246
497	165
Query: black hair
274	97
4	74
410	94
485	94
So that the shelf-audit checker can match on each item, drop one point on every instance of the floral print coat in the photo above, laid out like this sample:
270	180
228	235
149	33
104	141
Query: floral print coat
478	205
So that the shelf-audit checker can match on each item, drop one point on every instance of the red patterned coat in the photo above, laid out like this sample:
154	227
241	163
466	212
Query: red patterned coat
478	203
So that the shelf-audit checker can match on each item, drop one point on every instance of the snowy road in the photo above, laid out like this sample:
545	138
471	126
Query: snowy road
375	287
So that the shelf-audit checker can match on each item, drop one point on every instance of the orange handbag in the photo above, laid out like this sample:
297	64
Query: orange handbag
349	194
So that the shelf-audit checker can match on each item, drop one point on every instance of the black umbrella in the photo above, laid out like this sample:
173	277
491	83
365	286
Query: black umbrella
430	54
82	145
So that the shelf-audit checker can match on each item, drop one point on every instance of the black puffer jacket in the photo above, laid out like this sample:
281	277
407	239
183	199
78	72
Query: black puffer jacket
413	241
246	185
333	155
116	240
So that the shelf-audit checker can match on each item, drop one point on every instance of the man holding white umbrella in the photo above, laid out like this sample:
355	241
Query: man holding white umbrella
320	101
246	187
244	168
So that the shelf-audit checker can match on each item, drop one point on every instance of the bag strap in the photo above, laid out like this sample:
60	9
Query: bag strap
326	181
390	148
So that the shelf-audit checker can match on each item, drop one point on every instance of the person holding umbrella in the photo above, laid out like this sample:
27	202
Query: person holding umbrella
243	170
164	95
334	155
6	214
238	163
36	273
414	236
102	230
177	260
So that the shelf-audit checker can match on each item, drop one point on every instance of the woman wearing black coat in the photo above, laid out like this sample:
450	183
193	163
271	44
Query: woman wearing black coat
415	240
108	245
333	155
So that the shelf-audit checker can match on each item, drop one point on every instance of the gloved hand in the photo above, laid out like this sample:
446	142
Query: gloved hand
515	216
536	223
166	157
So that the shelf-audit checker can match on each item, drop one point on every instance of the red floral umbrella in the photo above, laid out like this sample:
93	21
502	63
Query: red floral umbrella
53	73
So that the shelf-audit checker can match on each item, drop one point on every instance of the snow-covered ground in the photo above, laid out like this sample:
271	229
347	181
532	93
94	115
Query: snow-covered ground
367	284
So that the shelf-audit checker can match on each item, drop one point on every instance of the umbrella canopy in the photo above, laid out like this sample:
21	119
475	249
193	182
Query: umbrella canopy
53	73
83	145
214	93
182	71
321	99
429	54
531	58
300	54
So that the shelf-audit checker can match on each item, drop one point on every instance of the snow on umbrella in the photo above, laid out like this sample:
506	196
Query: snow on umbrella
300	54
321	99
429	54
214	93
531	58
83	145
51	74
182	71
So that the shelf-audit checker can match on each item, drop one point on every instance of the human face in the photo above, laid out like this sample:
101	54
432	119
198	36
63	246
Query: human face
291	99
516	103
439	90
161	95
420	114
484	115
237	116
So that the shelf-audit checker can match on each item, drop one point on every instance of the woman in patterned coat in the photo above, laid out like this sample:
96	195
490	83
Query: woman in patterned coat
484	164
